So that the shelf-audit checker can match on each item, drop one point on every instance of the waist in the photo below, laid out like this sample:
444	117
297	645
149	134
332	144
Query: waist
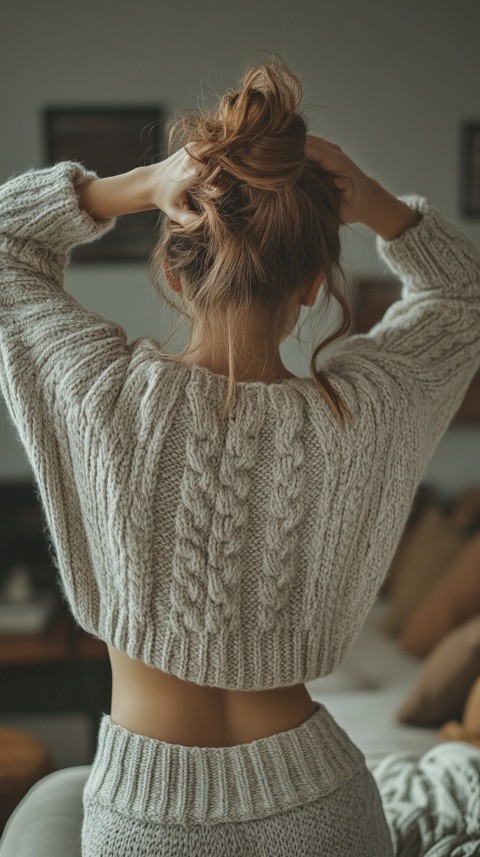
168	783
149	702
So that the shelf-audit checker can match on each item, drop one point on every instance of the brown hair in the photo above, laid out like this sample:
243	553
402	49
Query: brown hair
270	218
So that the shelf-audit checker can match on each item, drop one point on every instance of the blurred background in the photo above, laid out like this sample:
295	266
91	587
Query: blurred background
392	83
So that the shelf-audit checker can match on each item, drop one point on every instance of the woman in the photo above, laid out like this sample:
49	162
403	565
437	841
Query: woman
221	524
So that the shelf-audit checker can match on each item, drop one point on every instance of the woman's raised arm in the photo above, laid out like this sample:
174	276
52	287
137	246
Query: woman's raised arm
420	357
161	185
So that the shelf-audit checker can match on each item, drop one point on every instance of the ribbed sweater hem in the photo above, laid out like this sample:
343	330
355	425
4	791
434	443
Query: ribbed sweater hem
157	781
228	659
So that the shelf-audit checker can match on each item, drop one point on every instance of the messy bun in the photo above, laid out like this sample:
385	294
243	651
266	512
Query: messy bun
256	137
269	218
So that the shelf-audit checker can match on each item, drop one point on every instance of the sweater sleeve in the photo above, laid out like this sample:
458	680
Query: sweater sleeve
53	351
423	353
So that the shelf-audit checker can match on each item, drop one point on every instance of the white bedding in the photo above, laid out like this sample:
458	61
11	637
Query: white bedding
365	692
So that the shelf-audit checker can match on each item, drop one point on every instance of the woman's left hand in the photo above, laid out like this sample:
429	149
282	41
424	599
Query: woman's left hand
162	185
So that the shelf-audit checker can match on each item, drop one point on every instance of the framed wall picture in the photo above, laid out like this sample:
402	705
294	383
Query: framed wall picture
470	169
109	140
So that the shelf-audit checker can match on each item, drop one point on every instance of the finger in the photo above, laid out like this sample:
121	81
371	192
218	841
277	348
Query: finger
190	150
312	138
319	156
318	147
183	215
181	169
317	142
189	217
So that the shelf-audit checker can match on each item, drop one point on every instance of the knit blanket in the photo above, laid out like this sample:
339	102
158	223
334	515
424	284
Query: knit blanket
432	802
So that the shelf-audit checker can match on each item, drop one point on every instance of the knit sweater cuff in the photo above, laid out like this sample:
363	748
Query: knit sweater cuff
40	213
426	252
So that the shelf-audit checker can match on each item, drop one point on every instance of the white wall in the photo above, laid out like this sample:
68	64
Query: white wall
390	82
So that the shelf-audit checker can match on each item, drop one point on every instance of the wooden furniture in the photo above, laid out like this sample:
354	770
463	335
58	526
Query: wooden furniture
24	760
63	669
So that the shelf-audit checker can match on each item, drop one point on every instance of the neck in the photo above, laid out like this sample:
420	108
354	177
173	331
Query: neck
255	360
255	342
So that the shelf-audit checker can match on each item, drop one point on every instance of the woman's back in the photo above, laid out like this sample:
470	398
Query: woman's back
151	702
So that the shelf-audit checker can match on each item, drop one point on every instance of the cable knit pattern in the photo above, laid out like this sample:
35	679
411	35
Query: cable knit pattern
285	514
230	520
432	802
240	552
193	523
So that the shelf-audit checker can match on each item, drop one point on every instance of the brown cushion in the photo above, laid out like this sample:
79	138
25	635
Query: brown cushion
466	507
450	602
455	731
471	712
444	679
432	545
24	759
395	568
469	729
424	496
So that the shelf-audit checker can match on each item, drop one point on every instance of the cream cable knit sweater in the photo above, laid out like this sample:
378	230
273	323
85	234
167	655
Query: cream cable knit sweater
241	553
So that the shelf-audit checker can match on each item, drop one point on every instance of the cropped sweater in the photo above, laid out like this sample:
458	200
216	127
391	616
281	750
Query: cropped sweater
243	551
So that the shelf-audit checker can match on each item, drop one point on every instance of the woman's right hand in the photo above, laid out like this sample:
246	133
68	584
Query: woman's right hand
363	199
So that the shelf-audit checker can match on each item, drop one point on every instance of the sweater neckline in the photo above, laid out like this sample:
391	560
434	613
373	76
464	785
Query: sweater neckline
196	371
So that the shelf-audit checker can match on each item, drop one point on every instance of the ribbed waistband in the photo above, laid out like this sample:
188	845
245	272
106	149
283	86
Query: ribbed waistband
156	781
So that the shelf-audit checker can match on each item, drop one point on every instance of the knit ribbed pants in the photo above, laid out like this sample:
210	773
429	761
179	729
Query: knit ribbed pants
300	793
